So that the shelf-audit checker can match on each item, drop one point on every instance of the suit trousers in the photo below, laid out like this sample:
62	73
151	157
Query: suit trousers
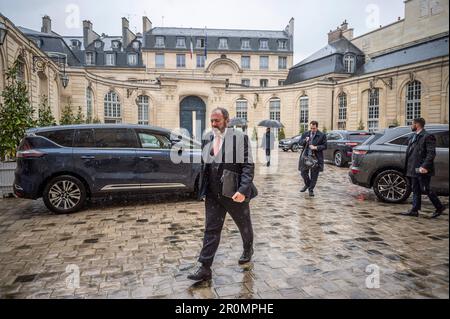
217	207
310	177
421	185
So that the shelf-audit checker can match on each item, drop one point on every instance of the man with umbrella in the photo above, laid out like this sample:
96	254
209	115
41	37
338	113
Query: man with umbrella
311	161
268	140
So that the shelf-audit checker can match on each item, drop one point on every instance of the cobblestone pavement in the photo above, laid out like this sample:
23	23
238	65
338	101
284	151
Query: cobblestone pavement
304	247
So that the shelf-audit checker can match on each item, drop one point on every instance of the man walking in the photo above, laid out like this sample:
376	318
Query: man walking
227	182
419	164
268	143
314	143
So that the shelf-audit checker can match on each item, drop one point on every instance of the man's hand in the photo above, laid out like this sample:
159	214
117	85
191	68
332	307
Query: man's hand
312	147
423	170
238	198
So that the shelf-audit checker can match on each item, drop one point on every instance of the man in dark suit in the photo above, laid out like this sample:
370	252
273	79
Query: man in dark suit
226	160
314	142
419	168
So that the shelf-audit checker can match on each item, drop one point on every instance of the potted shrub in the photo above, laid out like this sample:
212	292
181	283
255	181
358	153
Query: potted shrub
16	116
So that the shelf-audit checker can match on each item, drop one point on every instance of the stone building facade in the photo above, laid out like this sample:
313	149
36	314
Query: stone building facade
173	77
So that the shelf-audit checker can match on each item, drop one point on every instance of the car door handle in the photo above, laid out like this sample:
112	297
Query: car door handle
146	157
87	157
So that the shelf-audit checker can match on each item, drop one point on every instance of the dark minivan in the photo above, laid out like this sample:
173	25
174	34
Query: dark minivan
68	164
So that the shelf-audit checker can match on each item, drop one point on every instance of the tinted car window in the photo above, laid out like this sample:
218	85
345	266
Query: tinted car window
441	139
154	141
60	137
360	137
373	138
402	140
115	138
84	138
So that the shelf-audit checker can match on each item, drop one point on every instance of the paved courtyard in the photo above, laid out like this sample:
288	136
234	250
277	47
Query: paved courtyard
304	247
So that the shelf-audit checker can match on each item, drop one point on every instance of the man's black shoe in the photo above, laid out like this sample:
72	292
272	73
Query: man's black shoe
438	212
311	193
412	213
246	256
202	274
304	189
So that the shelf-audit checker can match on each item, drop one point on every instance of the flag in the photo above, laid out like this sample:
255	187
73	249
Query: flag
192	48
206	45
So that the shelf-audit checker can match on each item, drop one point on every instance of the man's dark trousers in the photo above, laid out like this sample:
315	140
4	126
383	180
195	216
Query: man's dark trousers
217	207
421	185
310	176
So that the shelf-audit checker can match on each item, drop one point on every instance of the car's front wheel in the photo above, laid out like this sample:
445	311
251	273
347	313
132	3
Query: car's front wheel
64	194
339	159
391	186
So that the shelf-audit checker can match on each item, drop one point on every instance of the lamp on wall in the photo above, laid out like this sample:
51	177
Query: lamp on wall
3	32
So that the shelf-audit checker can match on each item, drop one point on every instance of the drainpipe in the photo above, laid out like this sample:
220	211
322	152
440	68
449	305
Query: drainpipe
332	109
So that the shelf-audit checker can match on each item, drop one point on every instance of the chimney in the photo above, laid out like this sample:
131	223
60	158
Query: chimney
146	25
346	32
46	24
334	35
127	35
88	34
344	25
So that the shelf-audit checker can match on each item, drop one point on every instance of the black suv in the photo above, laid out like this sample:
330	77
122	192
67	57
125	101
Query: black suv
340	145
68	164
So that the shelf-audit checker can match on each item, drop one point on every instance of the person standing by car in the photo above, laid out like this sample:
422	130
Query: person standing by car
268	142
227	183
314	142
419	163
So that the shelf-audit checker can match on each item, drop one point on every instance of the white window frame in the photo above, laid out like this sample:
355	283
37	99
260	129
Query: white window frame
342	111
91	60
245	66
282	44
89	103
158	65
349	63
199	42
131	62
265	46
282	63
110	59
181	43
413	101
181	58
245	44
373	111
304	113
223	43
143	110
242	109
261	65
160	42
200	60
112	108
265	81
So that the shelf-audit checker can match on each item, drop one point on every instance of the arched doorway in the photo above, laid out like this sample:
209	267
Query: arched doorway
192	116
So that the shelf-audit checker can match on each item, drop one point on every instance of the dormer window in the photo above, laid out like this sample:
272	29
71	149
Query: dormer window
349	63
200	43
223	43
98	44
75	44
159	42
90	58
264	44
245	45
136	45
132	59
181	42
110	59
282	45
116	45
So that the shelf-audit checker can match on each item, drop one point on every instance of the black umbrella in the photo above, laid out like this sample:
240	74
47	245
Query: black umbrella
238	122
271	123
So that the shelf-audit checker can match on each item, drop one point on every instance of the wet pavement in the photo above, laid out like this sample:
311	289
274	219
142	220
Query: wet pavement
329	246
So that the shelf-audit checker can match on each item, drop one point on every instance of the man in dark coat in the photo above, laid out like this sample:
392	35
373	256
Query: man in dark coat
419	168
314	143
227	183
268	144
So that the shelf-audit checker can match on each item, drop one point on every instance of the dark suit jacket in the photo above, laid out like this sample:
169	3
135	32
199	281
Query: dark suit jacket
420	153
320	140
236	157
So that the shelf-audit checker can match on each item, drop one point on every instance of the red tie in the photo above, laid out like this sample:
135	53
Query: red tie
217	141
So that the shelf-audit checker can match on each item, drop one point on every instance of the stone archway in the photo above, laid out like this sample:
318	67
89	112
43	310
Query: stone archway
192	116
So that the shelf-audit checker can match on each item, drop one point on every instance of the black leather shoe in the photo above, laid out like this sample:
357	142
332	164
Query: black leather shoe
438	212
311	193
246	256
304	189
412	213
202	274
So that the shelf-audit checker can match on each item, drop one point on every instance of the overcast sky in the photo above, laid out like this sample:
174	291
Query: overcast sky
313	18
